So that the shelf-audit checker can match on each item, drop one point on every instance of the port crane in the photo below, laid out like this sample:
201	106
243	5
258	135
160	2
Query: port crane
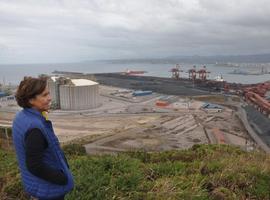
176	71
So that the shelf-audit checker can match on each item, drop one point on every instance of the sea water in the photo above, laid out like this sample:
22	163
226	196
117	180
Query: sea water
12	74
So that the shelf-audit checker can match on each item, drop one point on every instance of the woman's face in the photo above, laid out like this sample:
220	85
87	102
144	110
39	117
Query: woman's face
42	101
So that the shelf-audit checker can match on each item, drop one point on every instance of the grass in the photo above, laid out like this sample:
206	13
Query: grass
203	172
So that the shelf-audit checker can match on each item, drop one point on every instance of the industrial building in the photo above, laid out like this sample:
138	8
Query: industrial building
53	85
73	94
210	107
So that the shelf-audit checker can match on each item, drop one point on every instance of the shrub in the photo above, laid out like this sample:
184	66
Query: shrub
74	150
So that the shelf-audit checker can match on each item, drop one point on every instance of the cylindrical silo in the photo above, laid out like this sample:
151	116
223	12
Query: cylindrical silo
79	94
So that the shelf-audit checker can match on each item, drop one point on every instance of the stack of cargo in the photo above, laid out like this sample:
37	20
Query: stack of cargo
161	103
258	96
166	101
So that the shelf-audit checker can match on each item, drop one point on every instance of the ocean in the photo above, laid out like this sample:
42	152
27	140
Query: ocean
13	74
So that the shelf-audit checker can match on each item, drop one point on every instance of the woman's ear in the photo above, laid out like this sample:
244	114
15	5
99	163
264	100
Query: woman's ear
31	101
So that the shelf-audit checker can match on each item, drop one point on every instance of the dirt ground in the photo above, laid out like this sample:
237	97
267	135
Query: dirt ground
126	123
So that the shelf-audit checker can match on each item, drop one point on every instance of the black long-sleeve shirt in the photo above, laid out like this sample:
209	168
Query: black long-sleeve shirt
35	145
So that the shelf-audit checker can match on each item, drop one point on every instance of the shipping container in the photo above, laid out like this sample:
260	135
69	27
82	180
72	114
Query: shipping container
162	103
142	93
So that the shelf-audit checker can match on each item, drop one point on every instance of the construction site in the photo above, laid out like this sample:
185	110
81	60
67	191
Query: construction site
156	114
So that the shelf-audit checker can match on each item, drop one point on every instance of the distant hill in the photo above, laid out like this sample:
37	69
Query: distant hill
253	58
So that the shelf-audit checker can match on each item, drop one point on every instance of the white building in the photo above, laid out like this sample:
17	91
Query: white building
74	94
53	85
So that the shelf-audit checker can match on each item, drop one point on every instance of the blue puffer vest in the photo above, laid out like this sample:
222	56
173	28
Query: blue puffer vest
25	120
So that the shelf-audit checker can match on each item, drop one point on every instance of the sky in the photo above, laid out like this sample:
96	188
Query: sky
47	31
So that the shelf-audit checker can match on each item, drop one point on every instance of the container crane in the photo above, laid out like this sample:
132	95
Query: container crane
203	73
176	71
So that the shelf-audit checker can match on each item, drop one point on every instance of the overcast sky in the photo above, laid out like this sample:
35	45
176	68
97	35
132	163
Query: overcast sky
43	31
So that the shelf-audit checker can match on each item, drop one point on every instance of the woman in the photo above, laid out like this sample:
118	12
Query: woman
44	169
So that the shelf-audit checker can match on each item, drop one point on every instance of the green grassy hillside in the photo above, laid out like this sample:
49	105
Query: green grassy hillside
202	172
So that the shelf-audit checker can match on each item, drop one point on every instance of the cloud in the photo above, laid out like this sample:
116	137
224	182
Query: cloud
69	30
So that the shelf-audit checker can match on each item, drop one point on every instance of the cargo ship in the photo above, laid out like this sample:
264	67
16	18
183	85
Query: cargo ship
133	72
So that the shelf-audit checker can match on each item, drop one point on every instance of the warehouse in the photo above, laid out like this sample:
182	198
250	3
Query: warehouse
73	94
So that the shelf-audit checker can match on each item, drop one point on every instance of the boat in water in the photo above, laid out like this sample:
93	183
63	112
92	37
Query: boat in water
135	73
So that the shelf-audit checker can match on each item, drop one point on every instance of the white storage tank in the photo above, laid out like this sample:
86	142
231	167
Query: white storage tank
79	94
53	85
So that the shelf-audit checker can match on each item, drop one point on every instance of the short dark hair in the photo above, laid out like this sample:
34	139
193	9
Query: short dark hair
29	88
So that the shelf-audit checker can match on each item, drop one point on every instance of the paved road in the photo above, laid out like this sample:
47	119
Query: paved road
243	116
